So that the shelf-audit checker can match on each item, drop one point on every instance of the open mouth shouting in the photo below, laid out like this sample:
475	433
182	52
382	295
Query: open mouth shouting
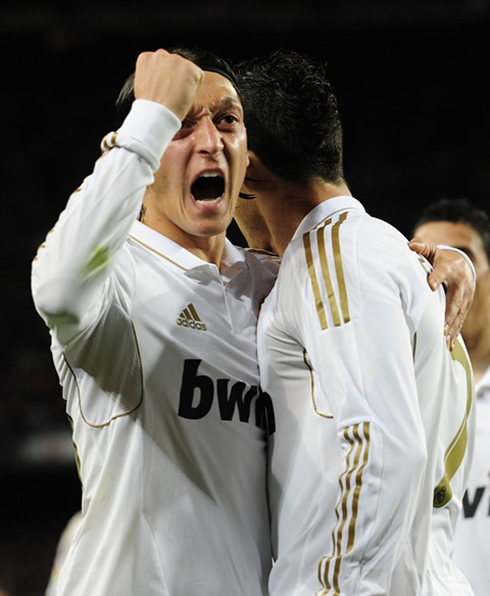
208	188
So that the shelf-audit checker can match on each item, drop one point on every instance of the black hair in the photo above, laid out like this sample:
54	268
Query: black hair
205	59
292	116
459	210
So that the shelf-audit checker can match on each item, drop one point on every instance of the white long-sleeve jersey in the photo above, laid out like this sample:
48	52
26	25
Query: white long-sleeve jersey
374	415
156	353
472	538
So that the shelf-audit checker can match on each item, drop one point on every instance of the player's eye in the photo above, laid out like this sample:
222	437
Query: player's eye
227	121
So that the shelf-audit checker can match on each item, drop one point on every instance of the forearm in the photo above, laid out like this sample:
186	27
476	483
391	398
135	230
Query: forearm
72	266
370	378
380	486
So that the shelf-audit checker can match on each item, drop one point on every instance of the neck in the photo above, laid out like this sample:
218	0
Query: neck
209	248
289	205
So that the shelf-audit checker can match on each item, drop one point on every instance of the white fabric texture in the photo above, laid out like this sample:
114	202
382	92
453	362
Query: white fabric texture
156	353
375	417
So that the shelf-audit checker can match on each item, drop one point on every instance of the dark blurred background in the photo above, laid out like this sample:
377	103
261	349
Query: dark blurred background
413	85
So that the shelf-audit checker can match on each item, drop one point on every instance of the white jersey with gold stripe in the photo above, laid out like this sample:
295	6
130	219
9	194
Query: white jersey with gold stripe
472	538
156	352
374	415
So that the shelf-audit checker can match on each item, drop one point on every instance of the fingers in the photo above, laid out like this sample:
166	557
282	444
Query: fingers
422	248
451	269
456	311
434	279
428	251
168	79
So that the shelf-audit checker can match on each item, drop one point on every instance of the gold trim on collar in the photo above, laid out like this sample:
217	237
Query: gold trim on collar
157	253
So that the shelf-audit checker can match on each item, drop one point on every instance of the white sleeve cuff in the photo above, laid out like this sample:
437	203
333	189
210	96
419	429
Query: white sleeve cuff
463	254
147	130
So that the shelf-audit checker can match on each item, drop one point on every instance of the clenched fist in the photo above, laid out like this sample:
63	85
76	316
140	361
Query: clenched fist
168	79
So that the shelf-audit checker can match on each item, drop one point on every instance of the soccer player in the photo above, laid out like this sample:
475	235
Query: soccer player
153	325
457	222
152	315
374	412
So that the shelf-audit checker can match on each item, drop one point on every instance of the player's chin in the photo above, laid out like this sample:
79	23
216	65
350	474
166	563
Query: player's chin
213	221
210	229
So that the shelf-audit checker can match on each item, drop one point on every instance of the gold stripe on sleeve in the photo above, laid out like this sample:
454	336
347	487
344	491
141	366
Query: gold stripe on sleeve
314	282
326	276
339	311
344	304
365	439
456	451
350	485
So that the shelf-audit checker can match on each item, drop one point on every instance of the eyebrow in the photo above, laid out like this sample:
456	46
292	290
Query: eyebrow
228	101
223	103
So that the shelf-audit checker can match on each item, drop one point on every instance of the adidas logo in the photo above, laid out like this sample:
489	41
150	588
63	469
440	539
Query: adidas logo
189	318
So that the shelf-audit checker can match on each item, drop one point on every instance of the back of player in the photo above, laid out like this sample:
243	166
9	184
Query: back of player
446	401
374	414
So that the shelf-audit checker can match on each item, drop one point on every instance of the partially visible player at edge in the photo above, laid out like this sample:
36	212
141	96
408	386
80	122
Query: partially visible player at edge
458	222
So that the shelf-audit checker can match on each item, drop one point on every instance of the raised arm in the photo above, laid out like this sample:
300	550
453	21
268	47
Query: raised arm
71	271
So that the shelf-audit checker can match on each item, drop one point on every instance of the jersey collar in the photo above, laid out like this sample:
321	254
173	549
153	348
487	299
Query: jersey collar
324	210
233	257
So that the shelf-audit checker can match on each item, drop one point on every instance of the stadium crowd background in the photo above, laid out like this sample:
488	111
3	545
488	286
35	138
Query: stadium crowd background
412	80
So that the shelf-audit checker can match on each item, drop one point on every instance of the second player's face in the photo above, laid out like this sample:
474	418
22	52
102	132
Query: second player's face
196	187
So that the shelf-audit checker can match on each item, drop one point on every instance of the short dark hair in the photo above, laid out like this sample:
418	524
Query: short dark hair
205	59
292	117
458	210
